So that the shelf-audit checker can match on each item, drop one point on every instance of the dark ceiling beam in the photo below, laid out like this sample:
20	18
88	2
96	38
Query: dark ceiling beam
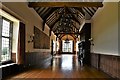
57	27
43	25
51	26
87	11
51	16
46	12
49	13
39	12
52	21
75	19
55	22
73	36
80	10
50	32
67	33
93	9
64	31
36	8
62	35
45	17
67	4
90	11
75	26
73	16
79	16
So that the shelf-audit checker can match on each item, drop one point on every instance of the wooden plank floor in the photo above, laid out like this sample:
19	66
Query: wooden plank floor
63	66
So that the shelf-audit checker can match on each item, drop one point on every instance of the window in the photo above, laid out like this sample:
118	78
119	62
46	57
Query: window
67	47
6	40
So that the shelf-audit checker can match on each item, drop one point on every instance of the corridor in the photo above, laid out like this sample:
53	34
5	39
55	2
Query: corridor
62	66
40	39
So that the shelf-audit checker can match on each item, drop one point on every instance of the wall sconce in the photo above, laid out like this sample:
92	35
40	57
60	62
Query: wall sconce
31	38
91	41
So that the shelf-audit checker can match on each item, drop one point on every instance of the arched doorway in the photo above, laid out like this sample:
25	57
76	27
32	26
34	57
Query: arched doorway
68	47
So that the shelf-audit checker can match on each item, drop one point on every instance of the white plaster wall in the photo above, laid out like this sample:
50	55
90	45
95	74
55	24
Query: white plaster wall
105	29
119	28
30	18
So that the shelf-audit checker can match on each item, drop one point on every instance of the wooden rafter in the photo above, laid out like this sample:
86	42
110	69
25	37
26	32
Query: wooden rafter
55	22
40	10
67	33
80	10
43	25
50	32
67	4
75	26
49	13
73	31
50	17
37	9
62	35
52	21
46	12
87	11
93	9
46	16
74	18
90	11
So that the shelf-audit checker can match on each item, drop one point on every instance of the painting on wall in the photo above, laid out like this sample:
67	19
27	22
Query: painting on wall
41	40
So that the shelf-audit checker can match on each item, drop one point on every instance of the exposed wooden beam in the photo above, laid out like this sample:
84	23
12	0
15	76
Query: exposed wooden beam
61	35
67	4
56	27
45	17
52	21
43	25
93	9
75	19
87	11
90	11
51	26
73	16
49	13
39	12
50	32
80	10
55	22
50	17
66	33
45	12
37	9
75	26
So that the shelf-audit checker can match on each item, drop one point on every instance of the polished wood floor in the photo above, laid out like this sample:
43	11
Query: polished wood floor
63	66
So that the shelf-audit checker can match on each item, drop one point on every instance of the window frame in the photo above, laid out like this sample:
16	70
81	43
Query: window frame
67	46
10	40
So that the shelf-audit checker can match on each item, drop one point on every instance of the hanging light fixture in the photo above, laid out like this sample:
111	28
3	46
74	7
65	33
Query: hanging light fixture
67	40
65	22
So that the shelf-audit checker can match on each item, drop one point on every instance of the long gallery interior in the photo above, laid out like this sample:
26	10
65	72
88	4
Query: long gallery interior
59	40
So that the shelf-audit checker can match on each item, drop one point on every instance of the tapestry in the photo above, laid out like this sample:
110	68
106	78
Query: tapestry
41	40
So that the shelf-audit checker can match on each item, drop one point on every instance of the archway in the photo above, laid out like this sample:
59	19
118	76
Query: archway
68	47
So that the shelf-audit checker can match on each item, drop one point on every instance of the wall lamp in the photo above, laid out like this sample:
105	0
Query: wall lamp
31	38
91	41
